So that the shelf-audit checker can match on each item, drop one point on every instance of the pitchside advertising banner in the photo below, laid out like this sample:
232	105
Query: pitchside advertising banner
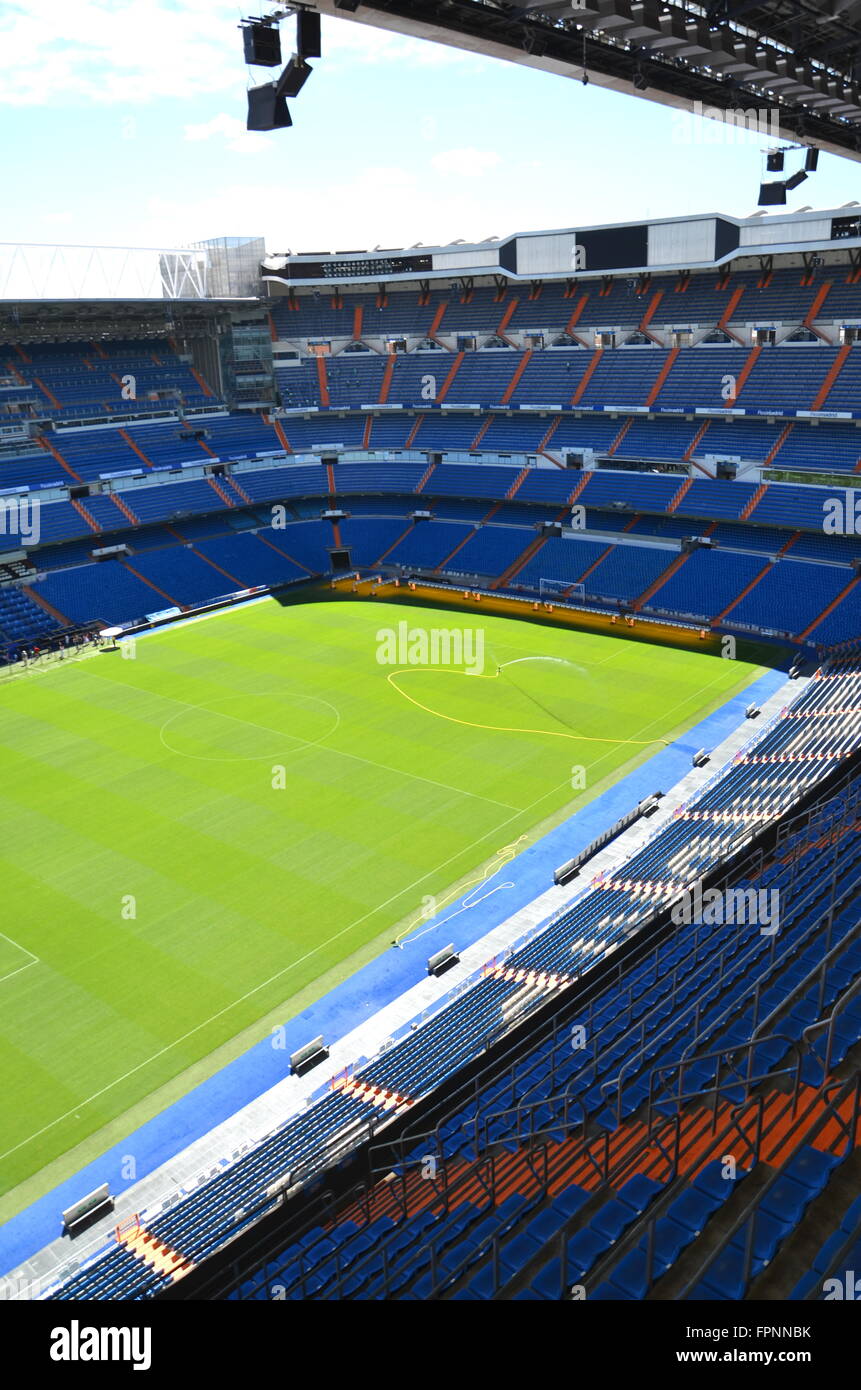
712	410
239	1342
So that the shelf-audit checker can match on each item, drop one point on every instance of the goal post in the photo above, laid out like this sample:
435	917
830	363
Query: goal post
562	588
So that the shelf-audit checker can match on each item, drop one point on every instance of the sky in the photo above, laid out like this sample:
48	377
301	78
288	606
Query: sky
123	124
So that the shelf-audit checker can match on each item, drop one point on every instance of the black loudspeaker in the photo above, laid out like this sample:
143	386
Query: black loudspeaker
774	161
308	34
267	110
262	44
796	179
811	159
771	193
294	76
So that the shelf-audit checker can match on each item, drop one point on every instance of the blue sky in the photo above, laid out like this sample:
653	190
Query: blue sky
124	125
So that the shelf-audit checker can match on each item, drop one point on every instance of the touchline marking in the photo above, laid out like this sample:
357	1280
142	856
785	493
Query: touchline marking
506	806
42	667
34	960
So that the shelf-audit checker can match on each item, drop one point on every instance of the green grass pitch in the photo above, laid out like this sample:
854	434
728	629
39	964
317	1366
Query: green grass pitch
168	894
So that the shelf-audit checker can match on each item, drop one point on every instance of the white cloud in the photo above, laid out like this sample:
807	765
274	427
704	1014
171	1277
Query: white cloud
122	52
385	205
132	52
467	162
231	129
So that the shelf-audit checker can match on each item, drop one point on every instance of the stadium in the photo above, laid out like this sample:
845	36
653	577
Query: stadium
430	749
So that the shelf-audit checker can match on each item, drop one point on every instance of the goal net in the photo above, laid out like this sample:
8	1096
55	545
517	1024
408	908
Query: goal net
561	588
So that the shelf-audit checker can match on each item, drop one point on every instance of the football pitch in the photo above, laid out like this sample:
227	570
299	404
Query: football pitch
200	839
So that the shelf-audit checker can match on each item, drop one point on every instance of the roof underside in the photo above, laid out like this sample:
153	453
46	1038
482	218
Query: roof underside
798	58
28	321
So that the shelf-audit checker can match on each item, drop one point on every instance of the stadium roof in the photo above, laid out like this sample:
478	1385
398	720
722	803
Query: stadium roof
224	268
660	244
799	59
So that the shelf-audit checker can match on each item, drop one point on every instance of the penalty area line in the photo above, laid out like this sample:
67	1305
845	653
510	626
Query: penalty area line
34	959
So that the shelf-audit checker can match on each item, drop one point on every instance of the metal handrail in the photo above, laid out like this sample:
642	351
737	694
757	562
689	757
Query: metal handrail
844	1089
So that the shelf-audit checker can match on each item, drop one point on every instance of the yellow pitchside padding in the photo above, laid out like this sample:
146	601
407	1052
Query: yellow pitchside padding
636	628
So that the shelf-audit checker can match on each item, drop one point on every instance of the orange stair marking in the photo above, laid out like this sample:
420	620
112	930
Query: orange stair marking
662	376
660	581
830	609
620	436
515	377
226	499
125	508
482	432
387	379
437	320
322	381
523	559
833	373
586	377
452	373
507	316
521	477
414	431
754	502
143	579
124	434
46	443
723	321
779	442
680	495
83	512
745	591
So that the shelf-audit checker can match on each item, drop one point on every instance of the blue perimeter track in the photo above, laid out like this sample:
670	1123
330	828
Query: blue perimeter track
370	989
